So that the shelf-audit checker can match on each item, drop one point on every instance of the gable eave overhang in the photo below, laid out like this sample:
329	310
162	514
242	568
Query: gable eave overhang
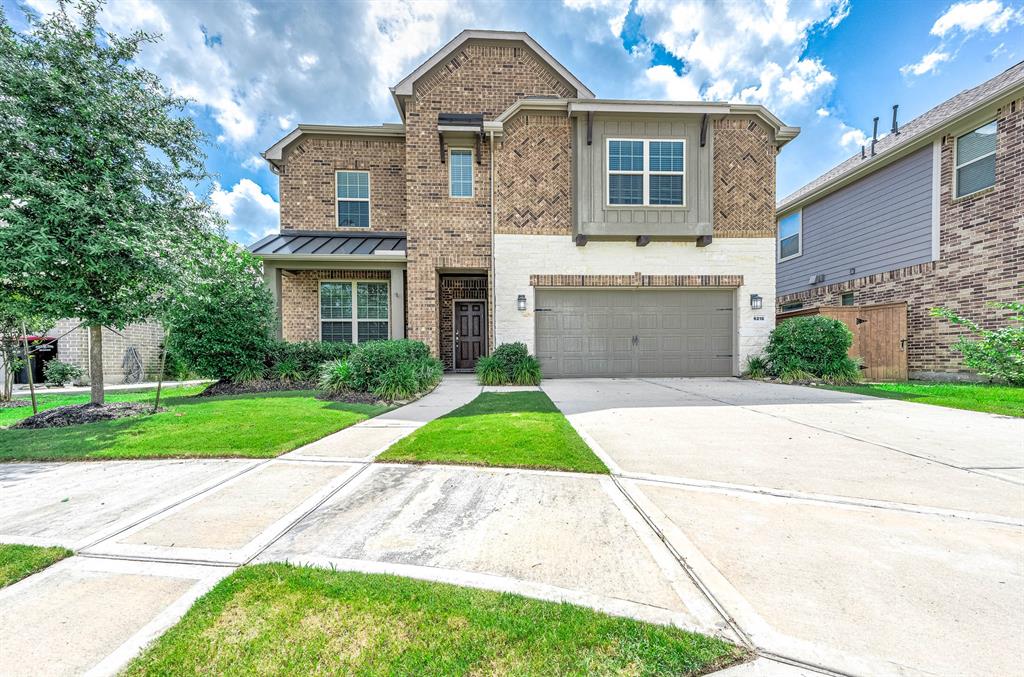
404	88
275	153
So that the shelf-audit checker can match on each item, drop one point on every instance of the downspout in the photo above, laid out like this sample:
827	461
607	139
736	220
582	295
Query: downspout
493	285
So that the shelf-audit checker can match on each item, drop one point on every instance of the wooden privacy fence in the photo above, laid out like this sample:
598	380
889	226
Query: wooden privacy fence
879	336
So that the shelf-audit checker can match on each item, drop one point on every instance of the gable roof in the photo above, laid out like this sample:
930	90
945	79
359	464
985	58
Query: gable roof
404	87
911	136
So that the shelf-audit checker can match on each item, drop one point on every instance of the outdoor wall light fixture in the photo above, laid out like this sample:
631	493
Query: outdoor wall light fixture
756	302
521	302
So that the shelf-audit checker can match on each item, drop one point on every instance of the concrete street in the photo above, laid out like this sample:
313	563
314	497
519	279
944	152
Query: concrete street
830	533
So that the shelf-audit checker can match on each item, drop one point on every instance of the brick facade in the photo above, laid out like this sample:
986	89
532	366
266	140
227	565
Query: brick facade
300	299
308	191
981	259
146	337
743	185
455	289
636	280
533	195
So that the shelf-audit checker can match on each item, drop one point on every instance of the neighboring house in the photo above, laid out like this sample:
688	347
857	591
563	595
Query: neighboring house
932	216
614	238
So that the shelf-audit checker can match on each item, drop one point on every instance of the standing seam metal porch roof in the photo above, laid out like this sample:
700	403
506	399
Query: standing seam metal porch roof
314	243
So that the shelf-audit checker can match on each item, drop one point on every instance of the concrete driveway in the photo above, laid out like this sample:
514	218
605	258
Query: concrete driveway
862	535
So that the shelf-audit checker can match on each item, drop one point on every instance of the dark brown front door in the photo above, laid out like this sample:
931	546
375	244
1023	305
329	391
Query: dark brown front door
470	333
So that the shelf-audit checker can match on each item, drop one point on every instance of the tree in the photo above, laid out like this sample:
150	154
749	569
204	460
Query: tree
220	320
997	353
96	160
15	320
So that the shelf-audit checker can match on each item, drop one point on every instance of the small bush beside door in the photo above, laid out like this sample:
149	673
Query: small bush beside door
807	348
509	364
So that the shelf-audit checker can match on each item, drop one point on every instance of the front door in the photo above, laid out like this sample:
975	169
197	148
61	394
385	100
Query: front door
470	333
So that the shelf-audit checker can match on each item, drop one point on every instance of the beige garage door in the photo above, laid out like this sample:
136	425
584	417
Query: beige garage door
595	332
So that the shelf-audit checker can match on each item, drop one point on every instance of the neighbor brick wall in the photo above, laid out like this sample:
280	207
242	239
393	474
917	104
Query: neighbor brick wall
300	299
145	337
981	259
743	185
533	191
308	191
452	289
452	234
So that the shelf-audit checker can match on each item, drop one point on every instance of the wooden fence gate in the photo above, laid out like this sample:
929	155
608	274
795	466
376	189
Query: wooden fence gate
879	336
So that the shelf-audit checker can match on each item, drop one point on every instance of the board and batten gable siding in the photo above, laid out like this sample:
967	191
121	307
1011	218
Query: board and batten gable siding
879	223
596	217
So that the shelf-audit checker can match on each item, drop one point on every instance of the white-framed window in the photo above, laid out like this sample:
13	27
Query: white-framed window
460	172
976	160
646	172
354	312
352	189
791	236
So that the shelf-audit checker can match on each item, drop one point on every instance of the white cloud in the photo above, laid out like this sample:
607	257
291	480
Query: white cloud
990	15
616	10
850	138
254	163
284	122
250	213
822	113
928	63
307	61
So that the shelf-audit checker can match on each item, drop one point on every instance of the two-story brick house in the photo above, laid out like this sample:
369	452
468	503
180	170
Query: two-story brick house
930	215
614	238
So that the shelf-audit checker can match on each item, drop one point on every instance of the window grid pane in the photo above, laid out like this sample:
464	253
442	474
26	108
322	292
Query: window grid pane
789	225
976	176
666	156
626	189
789	246
974	145
373	331
666	190
461	173
353	214
336	300
372	301
354	185
336	331
626	156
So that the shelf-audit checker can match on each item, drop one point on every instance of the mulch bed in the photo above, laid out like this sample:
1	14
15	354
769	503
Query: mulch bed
351	397
11	404
77	414
269	386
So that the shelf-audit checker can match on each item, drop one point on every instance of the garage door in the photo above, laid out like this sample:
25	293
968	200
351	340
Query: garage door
648	332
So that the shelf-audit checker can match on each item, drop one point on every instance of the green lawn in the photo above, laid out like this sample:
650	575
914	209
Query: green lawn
10	416
19	561
278	619
516	429
992	399
254	426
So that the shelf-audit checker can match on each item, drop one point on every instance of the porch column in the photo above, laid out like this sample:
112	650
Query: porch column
272	278
397	303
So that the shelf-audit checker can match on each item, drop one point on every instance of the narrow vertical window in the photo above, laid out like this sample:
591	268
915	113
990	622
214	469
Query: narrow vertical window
976	160
460	172
353	195
625	172
336	311
790	236
372	311
666	172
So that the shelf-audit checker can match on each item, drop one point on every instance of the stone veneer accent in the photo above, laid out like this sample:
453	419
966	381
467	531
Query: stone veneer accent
308	191
300	299
636	280
743	185
453	234
533	195
146	337
981	259
452	289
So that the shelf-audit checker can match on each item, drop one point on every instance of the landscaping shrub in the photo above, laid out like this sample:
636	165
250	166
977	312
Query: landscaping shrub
757	367
804	348
59	373
998	353
509	364
287	370
334	377
428	373
369	361
249	372
302	360
397	382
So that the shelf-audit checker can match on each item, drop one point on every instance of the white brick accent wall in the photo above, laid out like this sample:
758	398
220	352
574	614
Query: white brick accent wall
516	257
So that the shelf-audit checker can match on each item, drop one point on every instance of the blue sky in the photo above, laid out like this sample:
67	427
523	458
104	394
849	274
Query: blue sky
255	69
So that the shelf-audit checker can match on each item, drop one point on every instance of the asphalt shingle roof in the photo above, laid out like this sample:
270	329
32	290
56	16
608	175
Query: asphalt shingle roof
946	111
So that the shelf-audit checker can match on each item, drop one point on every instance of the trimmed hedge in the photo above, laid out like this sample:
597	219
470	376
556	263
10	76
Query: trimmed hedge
812	346
301	361
391	370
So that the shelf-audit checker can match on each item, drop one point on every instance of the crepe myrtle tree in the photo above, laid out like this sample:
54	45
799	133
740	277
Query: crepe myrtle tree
96	214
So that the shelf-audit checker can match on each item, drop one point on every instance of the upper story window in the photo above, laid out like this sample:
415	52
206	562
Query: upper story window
646	172
790	236
460	172
976	160
353	192
354	312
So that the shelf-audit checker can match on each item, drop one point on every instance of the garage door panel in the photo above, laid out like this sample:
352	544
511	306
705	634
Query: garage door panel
677	333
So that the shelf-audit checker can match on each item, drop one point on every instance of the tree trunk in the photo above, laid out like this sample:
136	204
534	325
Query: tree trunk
96	364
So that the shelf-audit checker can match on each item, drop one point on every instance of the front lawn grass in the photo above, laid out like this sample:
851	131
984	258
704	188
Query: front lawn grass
20	561
11	415
992	399
279	619
253	426
516	429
